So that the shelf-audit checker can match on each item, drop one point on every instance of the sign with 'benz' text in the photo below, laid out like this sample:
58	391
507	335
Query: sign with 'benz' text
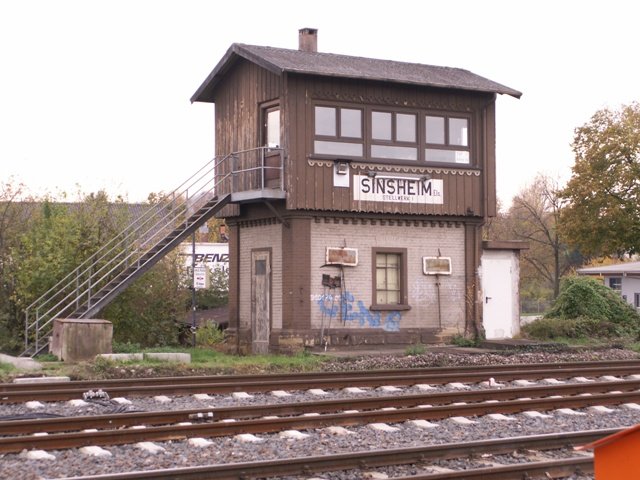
387	188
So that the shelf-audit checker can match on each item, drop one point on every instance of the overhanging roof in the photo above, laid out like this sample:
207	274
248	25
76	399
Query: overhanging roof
629	268
281	60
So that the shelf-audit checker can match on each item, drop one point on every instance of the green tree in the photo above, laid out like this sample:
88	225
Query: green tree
603	212
61	236
16	211
41	241
214	232
217	295
146	312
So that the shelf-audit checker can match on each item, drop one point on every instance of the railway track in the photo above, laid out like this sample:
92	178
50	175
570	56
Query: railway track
123	382
67	424
593	385
344	413
368	460
13	393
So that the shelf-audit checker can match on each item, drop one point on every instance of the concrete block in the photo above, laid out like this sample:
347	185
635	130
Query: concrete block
169	357
20	362
121	357
39	455
41	379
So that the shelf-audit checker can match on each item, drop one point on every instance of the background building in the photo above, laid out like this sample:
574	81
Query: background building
623	278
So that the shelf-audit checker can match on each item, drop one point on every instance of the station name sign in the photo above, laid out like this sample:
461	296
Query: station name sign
387	188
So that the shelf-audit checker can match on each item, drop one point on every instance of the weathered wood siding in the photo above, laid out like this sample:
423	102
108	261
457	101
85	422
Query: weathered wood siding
238	99
468	189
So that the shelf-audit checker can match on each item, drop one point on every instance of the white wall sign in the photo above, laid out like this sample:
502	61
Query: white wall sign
200	277
342	256
388	188
436	265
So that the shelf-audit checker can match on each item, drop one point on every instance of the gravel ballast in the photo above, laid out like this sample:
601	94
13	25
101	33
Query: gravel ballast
179	454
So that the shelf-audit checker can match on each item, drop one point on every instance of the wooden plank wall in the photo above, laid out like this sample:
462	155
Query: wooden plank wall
238	100
309	179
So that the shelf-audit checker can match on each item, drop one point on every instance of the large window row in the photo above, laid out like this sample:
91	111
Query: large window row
391	135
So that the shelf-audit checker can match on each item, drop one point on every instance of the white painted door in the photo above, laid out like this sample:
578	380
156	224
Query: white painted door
260	301
498	294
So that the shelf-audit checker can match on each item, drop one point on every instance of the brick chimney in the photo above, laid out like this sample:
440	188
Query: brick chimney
308	39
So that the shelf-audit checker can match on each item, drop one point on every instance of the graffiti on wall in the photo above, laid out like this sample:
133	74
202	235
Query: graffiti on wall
356	313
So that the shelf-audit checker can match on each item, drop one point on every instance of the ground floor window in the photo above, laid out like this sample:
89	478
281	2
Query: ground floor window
389	279
615	283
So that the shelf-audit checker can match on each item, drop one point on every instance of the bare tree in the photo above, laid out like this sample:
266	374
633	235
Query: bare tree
534	216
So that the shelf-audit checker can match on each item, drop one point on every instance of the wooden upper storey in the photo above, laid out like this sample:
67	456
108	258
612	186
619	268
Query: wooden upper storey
361	135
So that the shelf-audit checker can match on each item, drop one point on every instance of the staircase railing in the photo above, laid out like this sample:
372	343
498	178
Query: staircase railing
133	248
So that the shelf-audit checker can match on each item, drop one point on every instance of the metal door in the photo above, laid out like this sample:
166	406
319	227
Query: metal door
498	295
260	301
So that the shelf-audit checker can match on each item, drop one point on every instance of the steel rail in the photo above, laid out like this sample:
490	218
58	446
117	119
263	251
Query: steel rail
265	384
59	441
517	471
109	383
68	424
364	459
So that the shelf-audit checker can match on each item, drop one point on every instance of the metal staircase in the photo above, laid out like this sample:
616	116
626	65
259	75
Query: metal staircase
97	281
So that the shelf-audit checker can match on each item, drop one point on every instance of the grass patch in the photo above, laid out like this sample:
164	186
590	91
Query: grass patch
266	363
460	340
46	357
204	361
6	367
6	370
125	347
415	349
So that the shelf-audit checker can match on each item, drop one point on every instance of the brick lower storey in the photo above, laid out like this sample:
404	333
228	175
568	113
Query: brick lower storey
303	313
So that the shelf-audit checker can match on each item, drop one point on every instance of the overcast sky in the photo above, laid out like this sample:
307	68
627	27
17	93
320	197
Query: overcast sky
95	94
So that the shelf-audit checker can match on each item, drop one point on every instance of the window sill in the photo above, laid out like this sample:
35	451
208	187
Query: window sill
387	308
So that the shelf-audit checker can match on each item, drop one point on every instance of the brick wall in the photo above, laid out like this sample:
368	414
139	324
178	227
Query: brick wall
423	239
258	237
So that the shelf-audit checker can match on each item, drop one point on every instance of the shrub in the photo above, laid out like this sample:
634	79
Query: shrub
217	295
586	308
209	335
582	296
146	311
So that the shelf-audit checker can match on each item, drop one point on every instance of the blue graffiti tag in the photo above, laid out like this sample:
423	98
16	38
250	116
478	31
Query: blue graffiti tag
362	316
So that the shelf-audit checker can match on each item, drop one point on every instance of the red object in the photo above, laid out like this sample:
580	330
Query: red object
617	457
